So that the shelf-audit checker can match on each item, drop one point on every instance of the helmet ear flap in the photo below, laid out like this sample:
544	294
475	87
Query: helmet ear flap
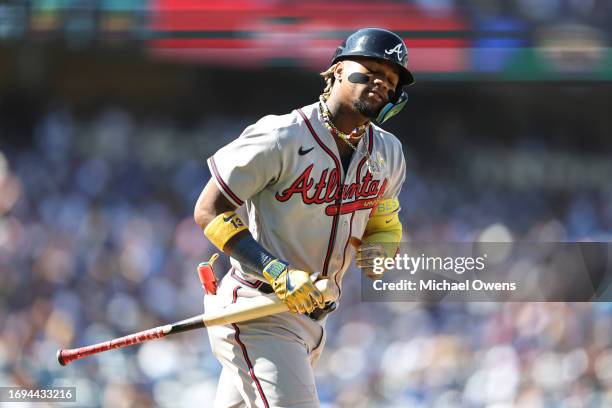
393	107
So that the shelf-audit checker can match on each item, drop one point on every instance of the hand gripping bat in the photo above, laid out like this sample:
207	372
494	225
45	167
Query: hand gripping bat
246	309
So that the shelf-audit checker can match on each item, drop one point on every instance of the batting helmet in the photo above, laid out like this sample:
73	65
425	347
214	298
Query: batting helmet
383	45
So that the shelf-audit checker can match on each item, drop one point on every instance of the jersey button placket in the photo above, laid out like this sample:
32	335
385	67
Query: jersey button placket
345	225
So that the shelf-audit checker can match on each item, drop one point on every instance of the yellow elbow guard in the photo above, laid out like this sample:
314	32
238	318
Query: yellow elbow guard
389	226
384	226
223	227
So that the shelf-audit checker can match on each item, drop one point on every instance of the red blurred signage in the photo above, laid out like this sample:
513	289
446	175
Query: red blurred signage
255	33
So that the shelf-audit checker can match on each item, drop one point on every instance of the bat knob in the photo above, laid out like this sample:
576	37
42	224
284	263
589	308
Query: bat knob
60	358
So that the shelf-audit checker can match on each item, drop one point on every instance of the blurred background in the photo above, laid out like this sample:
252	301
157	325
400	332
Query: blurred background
109	108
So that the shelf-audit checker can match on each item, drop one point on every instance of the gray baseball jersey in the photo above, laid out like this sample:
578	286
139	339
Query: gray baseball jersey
302	207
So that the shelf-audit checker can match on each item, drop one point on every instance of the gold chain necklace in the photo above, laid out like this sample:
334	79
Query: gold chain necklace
374	167
356	134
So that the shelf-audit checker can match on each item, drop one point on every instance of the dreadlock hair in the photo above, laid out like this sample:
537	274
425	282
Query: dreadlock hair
328	77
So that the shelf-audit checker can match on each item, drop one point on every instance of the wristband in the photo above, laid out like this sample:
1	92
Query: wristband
274	269
223	228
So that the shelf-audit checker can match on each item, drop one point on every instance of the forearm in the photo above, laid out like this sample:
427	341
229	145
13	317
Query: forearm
224	228
229	233
252	256
294	287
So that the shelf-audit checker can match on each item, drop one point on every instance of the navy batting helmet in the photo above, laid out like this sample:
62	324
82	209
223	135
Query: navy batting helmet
383	45
380	44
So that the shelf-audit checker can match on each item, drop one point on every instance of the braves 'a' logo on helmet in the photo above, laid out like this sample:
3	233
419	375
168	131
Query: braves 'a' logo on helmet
398	49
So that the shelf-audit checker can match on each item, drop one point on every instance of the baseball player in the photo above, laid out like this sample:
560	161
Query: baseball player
311	182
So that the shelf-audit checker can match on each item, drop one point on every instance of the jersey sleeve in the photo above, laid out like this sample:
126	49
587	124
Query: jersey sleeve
248	164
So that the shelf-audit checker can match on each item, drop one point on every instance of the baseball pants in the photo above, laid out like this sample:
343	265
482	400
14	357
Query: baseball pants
267	362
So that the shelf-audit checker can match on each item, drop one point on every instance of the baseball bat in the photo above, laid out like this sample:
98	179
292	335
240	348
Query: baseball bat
247	309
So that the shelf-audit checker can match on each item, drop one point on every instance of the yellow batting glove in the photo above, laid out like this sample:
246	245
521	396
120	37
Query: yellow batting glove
293	287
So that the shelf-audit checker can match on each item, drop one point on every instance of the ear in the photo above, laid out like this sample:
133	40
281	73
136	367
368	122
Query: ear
338	71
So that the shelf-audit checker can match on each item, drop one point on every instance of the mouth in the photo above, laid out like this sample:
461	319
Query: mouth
373	94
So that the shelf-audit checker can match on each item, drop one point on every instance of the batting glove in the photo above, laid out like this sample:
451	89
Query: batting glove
294	287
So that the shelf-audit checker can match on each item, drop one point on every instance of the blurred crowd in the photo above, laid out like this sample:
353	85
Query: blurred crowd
97	240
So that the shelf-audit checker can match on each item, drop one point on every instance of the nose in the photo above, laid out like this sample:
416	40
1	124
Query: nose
382	82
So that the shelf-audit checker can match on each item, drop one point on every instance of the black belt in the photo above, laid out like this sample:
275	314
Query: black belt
265	288
316	315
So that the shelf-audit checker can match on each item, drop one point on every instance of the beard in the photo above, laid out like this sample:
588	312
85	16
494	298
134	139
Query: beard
367	109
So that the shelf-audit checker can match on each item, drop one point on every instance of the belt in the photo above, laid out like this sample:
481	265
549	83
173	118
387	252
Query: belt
265	288
316	315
